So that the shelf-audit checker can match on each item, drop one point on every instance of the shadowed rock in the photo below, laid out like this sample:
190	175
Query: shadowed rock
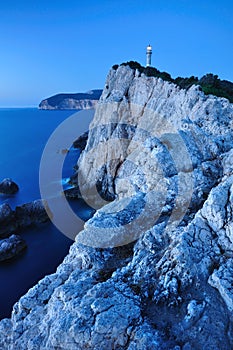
81	141
11	247
31	213
23	216
8	222
8	186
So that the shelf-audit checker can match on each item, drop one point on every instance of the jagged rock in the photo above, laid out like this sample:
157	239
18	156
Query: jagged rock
81	141
12	221
222	280
25	215
8	186
5	212
155	272
145	337
31	213
194	312
11	247
140	116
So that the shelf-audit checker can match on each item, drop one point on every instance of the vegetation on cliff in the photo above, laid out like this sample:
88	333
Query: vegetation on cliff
209	83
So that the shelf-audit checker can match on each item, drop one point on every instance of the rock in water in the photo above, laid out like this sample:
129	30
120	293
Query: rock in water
12	221
11	247
31	213
8	186
23	216
8	222
153	268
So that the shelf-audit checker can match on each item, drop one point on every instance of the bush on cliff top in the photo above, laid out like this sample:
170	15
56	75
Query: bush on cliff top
209	83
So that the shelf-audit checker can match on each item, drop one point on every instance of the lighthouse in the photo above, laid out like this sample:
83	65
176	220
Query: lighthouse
148	55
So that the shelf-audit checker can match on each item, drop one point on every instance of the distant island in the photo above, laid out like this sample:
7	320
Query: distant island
87	100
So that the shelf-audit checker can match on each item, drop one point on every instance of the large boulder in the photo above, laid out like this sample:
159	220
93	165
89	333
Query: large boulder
31	213
8	186
25	215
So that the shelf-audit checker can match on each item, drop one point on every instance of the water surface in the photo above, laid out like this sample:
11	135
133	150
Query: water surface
23	136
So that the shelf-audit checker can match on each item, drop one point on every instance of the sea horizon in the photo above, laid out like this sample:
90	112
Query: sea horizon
19	107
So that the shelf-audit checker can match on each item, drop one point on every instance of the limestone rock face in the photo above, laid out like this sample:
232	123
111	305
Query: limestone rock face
152	269
146	130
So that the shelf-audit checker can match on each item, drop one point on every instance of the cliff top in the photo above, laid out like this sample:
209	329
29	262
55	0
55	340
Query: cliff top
209	83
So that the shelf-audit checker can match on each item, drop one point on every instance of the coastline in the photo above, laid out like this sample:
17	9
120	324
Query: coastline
46	246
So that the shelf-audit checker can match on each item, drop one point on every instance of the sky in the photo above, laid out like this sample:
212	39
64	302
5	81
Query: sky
49	47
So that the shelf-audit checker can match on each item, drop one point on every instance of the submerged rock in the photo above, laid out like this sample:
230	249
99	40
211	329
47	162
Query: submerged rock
11	247
8	186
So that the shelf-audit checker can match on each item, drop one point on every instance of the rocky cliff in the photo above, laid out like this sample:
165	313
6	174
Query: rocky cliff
86	100
153	268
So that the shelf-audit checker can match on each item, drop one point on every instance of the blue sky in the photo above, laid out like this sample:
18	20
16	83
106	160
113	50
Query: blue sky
68	46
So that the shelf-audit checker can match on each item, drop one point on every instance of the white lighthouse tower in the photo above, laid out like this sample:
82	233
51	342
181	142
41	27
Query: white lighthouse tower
148	55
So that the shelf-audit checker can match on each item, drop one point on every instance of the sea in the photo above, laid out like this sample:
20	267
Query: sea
24	132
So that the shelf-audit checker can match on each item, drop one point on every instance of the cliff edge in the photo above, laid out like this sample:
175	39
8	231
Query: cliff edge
153	268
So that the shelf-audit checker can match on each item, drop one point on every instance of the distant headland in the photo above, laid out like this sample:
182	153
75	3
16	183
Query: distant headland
86	100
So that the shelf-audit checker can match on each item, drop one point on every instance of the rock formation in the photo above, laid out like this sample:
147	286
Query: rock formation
8	186
153	268
14	221
7	220
11	247
86	100
81	141
23	216
31	213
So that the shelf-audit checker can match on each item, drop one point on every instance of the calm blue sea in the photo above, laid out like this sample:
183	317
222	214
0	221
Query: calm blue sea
23	135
